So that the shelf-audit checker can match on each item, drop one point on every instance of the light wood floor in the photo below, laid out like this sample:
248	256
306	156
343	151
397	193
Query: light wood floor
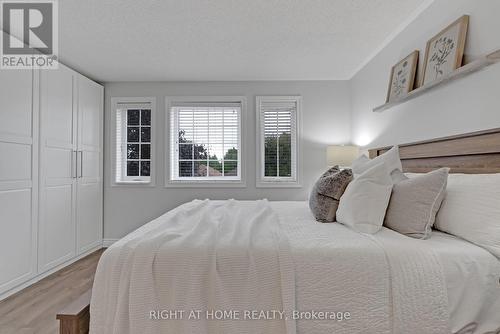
33	310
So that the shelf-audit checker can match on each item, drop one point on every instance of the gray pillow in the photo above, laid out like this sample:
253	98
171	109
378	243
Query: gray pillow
415	202
325	195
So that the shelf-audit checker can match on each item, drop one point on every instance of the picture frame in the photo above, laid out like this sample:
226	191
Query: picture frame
402	80
444	52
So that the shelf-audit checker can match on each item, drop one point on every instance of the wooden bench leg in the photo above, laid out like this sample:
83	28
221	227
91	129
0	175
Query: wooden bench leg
69	325
75	318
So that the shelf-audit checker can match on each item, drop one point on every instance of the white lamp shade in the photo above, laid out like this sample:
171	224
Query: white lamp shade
342	155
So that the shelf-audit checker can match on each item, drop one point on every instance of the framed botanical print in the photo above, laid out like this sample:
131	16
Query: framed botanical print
402	77
445	51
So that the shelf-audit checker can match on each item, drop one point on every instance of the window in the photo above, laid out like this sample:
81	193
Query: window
277	122
134	146
205	141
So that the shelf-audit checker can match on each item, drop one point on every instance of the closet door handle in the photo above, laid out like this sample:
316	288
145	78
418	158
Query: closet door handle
74	164
81	164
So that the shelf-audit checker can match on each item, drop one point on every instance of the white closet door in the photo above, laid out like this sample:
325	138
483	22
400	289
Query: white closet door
57	240
89	188
18	178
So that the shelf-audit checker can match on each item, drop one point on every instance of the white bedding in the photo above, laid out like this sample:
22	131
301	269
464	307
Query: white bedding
180	271
473	283
387	282
471	273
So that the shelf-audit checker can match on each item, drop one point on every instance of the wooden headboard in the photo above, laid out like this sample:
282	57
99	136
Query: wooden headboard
471	153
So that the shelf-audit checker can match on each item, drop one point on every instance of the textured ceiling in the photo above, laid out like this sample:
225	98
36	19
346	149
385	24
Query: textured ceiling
198	40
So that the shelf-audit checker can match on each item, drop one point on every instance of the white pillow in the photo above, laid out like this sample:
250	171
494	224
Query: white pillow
364	202
358	164
390	159
471	210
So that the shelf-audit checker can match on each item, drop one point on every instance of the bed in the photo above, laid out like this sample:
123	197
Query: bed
193	270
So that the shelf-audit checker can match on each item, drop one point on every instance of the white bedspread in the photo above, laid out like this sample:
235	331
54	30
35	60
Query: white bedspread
231	255
193	262
473	284
388	284
472	274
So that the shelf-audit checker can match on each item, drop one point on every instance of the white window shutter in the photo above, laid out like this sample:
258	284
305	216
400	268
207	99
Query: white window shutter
133	156
278	139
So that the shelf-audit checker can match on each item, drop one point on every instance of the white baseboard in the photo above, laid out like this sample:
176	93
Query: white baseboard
41	276
108	242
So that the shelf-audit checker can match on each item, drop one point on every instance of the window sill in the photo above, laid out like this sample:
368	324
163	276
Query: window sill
133	184
205	184
274	184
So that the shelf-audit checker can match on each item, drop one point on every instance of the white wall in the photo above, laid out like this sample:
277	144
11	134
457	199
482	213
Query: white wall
466	105
326	120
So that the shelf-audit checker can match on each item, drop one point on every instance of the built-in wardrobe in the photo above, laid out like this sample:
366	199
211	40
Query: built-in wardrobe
51	139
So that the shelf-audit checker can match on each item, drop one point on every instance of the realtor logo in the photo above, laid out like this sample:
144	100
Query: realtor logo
29	38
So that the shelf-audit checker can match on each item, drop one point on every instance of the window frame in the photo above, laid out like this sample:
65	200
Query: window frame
278	182
171	101
140	101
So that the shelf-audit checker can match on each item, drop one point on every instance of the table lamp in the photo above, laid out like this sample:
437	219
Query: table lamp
342	155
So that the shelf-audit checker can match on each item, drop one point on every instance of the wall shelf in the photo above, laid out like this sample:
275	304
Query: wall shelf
461	72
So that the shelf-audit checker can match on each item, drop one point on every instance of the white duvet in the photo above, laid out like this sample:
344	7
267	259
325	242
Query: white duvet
237	256
200	268
472	274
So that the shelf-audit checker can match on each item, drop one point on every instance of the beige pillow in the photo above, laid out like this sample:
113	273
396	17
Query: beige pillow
415	202
324	198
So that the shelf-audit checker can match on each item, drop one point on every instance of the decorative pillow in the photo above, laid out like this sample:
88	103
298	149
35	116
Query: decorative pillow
324	198
471	210
359	163
390	159
415	202
363	205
